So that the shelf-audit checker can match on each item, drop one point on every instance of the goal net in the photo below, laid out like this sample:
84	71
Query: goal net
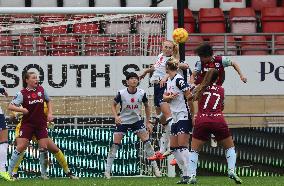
43	39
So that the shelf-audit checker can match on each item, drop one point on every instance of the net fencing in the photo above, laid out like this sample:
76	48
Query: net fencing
84	124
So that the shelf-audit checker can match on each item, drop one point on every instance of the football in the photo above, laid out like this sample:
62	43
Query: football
180	35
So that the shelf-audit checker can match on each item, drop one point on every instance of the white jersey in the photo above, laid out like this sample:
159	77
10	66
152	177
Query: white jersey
160	68
130	105
177	85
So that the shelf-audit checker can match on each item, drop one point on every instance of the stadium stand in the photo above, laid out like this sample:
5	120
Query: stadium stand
97	46
218	42
272	19
258	5
254	45
226	5
189	21
211	20
193	42
64	46
31	46
279	45
242	20
6	46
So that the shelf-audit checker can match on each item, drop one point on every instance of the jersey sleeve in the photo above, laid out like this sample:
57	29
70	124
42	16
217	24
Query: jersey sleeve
46	96
117	98
226	61
18	99
181	84
145	98
197	67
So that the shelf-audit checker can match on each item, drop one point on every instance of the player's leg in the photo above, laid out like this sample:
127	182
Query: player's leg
58	154
3	151
16	168
42	138
200	135
224	138
175	147
117	137
140	130
22	144
17	134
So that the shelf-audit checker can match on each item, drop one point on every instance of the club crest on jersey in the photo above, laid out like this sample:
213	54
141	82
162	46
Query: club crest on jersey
39	94
217	65
132	107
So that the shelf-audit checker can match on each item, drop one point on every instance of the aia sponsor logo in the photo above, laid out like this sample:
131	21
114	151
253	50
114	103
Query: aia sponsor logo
132	107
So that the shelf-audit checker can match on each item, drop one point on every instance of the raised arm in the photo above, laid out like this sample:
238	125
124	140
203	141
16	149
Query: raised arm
146	71
237	68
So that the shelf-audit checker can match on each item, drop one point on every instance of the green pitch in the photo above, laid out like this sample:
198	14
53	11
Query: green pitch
138	181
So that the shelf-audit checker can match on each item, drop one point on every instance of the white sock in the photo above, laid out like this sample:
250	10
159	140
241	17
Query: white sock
3	156
193	159
111	156
164	142
178	157
184	152
231	158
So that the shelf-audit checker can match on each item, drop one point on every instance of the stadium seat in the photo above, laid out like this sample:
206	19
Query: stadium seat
108	3
192	44
258	5
6	46
76	3
189	22
31	46
64	46
226	5
272	19
155	45
279	45
211	20
128	46
98	46
50	31
86	28
218	45
195	5
14	3
22	18
150	24
243	20
44	3
118	27
122	46
52	18
22	28
167	3
254	45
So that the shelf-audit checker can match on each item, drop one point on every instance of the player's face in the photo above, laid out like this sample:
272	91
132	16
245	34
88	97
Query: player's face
168	48
205	59
32	81
132	82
